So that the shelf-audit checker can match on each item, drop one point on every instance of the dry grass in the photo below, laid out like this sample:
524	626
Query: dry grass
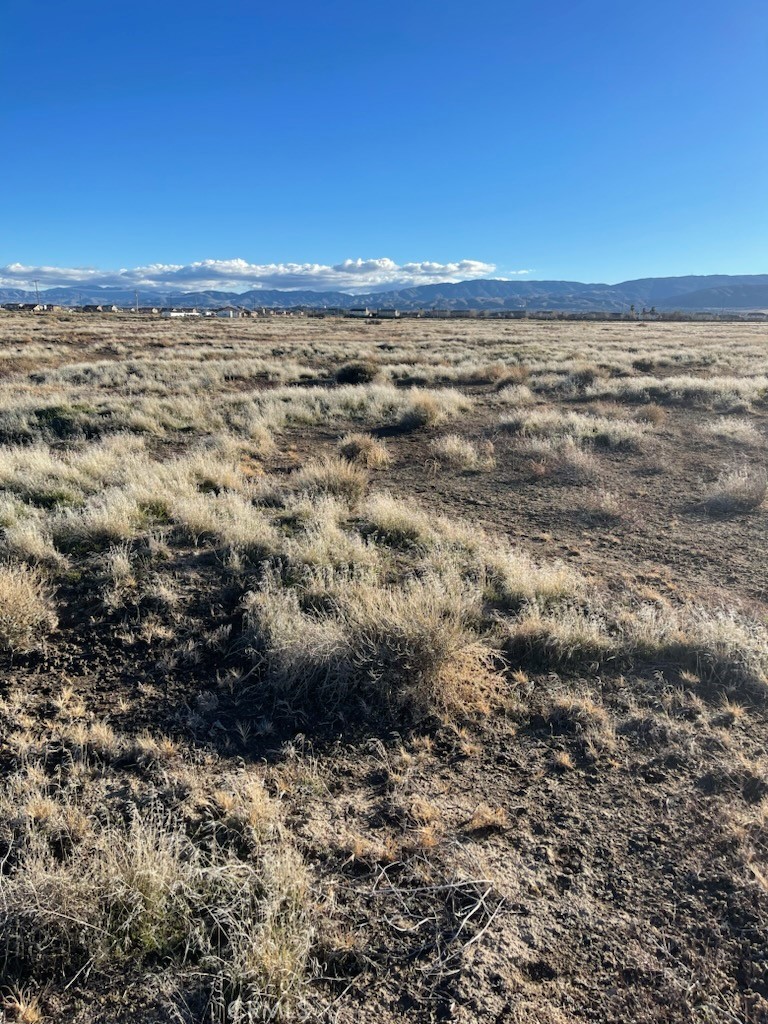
724	648
485	819
738	490
602	508
127	892
563	459
734	428
22	1005
516	395
30	540
651	413
26	610
352	643
432	409
367	450
598	430
397	523
338	477
514	579
582	716
717	392
226	519
461	453
287	714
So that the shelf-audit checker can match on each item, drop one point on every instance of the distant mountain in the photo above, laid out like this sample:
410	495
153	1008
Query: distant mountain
711	292
725	296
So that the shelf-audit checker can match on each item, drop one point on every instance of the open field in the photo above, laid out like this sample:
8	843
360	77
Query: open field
399	672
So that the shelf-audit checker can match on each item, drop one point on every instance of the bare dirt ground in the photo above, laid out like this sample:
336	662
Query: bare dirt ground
494	751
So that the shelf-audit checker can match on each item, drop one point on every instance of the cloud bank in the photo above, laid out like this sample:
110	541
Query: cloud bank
238	275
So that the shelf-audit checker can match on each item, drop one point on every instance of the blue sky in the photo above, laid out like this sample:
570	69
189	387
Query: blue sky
587	140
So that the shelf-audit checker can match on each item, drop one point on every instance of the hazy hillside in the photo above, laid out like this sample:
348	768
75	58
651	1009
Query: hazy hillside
727	296
716	291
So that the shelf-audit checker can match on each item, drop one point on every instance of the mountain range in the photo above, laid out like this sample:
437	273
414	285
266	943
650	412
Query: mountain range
692	293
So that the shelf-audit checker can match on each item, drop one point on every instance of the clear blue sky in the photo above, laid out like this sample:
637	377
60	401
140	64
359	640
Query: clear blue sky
587	139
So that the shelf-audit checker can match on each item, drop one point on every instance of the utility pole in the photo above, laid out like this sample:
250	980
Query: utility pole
136	296
37	293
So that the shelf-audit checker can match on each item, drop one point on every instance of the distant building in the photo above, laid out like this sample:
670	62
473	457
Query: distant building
388	314
174	314
227	312
360	313
26	307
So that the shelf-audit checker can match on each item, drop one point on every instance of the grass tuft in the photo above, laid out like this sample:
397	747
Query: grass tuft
338	477
737	490
26	610
364	449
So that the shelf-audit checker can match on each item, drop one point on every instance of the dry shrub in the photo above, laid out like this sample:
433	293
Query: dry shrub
431	408
142	891
577	714
653	414
354	643
508	376
31	541
734	428
602	508
227	519
560	636
513	579
396	523
723	648
329	475
26	612
462	453
603	431
365	449
738	490
563	459
517	394
359	372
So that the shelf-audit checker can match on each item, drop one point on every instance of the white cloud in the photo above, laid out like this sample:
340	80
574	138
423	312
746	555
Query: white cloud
237	275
